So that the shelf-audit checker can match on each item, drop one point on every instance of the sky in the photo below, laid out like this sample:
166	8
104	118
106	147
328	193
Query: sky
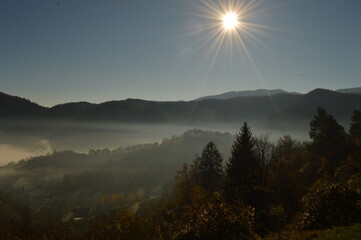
58	51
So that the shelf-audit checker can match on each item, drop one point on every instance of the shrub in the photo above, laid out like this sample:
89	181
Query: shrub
330	204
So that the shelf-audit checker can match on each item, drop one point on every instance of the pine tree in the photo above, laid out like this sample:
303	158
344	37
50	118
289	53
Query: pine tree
242	165
211	169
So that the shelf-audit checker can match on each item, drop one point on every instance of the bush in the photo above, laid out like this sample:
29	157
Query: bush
330	204
216	219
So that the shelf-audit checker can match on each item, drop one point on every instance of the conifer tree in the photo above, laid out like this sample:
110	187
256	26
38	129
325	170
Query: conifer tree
242	165
211	169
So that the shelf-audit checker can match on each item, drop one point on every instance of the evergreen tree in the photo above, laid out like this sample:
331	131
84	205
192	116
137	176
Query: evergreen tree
211	169
355	128
328	138
242	165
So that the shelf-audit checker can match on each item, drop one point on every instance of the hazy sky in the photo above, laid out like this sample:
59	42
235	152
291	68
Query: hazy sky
97	50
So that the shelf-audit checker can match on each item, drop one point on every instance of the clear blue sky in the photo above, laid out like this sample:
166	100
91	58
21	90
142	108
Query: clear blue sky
97	50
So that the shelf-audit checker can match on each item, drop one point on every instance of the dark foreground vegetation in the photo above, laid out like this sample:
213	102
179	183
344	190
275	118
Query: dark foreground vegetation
286	190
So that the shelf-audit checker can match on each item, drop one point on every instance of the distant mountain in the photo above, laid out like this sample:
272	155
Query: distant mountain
74	109
340	105
16	107
350	90
248	93
269	110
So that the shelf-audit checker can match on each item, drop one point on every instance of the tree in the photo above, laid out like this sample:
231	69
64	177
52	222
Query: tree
211	169
182	186
287	171
187	179
328	138
265	155
355	128
286	145
242	165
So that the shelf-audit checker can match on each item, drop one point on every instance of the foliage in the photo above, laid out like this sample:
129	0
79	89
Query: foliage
265	152
117	225
280	190
15	217
331	204
341	233
211	169
329	138
210	217
242	167
355	127
293	166
336	233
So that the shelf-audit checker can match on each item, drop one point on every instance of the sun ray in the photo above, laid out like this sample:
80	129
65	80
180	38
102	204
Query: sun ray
261	26
232	26
257	40
210	67
210	6
245	49
227	23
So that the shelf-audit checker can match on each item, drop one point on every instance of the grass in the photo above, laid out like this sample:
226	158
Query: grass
340	233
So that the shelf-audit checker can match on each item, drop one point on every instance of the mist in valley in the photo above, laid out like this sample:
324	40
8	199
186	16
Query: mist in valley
72	163
25	139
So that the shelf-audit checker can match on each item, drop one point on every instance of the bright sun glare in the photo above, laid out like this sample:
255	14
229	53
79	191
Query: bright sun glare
230	21
229	27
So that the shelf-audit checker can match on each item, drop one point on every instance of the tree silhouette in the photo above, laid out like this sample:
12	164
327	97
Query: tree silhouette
211	169
242	165
328	138
355	128
265	152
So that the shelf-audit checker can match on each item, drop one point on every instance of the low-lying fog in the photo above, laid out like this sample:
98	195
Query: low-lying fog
19	140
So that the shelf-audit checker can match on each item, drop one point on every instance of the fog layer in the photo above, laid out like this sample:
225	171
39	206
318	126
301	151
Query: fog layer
22	139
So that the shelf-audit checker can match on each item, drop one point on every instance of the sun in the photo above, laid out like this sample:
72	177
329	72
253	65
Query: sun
230	28
230	21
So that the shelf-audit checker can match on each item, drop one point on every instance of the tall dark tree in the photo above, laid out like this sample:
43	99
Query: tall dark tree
328	138
355	128
242	165
211	169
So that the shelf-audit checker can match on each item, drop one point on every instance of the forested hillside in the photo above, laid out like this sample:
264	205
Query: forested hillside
77	178
242	187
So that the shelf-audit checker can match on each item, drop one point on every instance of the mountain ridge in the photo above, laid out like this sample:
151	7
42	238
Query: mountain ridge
356	90
250	93
261	109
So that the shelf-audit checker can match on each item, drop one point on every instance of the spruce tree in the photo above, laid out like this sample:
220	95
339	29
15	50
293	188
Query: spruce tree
242	165
211	169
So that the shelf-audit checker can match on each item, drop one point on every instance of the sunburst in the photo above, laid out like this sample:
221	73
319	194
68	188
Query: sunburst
229	25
